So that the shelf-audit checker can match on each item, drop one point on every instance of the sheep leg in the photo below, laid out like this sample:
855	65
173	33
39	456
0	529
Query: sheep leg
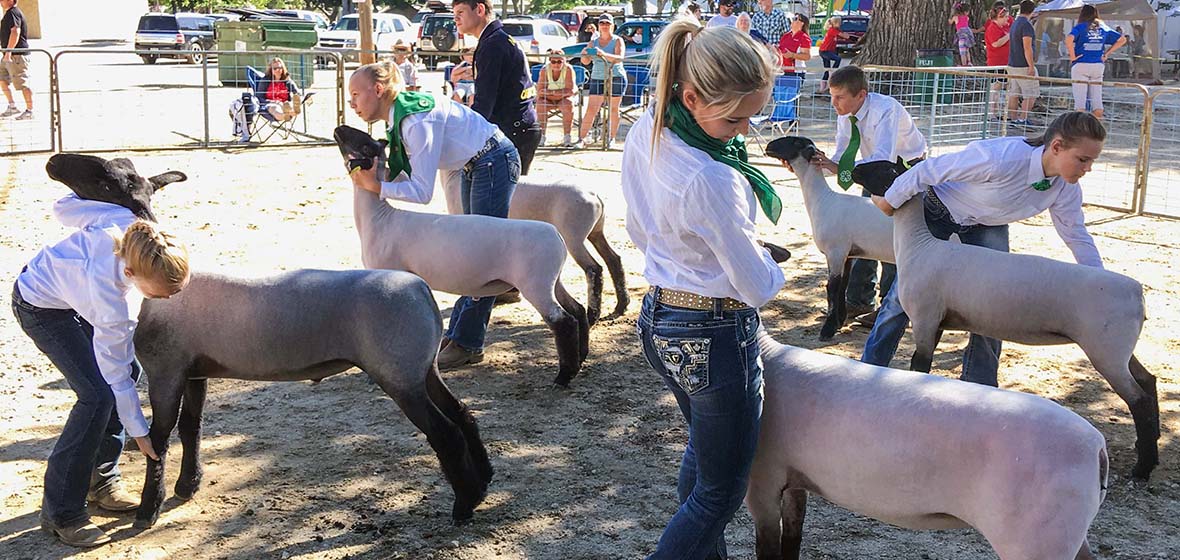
593	272
164	394
926	337
461	416
564	326
842	294
1084	552
1128	379
574	308
614	264
764	505
191	472
449	444
794	509
836	309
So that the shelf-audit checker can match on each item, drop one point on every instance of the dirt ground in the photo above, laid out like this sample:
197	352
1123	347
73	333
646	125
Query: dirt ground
333	470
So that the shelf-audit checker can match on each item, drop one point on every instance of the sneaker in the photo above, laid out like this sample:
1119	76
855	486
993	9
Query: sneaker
1018	122
867	320
567	141
26	116
12	110
858	310
610	145
542	140
82	535
455	356
114	498
581	143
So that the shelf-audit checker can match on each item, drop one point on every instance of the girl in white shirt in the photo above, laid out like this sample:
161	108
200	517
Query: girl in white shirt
79	301
691	203
425	136
976	193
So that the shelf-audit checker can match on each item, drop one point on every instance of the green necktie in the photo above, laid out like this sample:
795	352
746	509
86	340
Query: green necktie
1042	185
848	158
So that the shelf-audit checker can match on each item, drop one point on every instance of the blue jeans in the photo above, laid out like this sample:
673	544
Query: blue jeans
981	360
863	276
486	190
831	60
86	455
710	361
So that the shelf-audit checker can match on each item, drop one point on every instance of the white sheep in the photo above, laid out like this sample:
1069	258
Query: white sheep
471	255
843	227
920	452
579	217
1025	299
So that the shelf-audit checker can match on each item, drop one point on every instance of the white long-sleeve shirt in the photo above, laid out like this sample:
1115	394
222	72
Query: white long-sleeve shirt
990	183
693	219
445	137
82	273
886	131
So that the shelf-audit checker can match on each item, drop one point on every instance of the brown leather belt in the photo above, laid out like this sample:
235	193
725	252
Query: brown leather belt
689	300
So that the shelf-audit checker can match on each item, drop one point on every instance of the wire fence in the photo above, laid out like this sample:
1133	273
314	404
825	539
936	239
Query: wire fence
101	100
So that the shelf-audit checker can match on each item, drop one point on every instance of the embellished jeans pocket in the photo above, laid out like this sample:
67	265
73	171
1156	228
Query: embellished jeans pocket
686	360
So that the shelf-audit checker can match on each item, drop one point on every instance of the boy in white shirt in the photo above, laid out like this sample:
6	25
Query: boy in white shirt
869	127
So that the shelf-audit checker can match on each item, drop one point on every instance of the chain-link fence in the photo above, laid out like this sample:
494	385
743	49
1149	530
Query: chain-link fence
107	101
22	130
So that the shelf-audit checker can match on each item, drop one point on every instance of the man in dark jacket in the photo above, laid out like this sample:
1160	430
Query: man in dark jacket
504	90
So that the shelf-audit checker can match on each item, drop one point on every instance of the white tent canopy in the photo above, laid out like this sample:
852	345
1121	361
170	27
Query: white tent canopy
1065	13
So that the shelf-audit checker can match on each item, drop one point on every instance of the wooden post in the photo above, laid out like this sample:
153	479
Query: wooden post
364	11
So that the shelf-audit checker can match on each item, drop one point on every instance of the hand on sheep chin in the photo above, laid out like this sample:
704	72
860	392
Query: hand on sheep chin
365	178
822	161
883	205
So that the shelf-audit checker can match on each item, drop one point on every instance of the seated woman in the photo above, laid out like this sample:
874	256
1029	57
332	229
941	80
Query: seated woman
277	92
554	88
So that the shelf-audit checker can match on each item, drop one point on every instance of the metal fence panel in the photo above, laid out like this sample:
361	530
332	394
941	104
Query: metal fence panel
1162	155
22	135
111	100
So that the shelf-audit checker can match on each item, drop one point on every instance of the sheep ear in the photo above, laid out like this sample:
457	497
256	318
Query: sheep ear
167	177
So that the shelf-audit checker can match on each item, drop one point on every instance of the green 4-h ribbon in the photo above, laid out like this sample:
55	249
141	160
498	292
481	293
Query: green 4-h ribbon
1042	185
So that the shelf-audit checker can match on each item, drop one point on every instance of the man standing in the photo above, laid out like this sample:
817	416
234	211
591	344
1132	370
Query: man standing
504	90
725	15
14	67
1022	65
769	22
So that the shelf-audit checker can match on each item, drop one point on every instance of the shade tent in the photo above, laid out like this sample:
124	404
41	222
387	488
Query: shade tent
1113	12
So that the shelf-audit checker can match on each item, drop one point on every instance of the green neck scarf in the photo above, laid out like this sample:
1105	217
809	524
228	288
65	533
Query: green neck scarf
732	153
405	104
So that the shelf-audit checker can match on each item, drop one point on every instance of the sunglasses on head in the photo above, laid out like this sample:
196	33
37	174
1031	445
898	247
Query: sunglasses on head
556	60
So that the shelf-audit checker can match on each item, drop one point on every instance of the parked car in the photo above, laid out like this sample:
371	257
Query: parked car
639	37
321	22
537	36
571	19
438	34
345	36
854	24
180	35
224	17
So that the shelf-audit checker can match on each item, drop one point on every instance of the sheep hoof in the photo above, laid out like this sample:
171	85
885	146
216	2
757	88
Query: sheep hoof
1140	476
145	523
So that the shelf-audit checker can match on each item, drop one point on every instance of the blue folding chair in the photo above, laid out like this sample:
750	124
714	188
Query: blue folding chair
261	124
635	95
781	115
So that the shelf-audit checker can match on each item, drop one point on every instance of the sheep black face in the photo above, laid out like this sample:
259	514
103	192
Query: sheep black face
358	147
790	148
114	181
877	176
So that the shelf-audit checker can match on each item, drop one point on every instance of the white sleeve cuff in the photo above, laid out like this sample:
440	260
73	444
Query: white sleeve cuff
130	413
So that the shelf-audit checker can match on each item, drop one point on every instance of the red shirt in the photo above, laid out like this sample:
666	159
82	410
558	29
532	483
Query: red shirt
828	44
996	56
277	91
794	42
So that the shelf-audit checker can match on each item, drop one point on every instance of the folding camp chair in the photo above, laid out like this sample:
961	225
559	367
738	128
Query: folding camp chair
781	115
260	123
635	95
579	91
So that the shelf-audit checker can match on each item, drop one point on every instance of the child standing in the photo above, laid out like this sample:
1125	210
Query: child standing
964	35
404	60
691	202
79	301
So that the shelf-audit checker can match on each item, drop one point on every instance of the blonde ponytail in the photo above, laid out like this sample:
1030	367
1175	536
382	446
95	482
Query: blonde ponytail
152	253
387	75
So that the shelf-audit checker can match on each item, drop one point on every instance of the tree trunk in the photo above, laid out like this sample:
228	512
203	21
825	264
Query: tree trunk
897	31
639	7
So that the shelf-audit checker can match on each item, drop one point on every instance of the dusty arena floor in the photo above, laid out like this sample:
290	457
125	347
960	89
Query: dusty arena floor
334	470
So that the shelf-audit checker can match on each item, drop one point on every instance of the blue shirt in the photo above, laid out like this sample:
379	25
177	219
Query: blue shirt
1021	28
1090	41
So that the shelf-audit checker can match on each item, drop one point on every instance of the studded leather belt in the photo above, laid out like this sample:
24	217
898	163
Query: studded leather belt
689	300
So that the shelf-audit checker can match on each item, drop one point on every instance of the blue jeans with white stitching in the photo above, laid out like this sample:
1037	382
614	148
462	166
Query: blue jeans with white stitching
710	361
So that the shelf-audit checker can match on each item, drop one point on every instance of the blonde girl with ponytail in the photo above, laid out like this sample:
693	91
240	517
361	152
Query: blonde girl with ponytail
79	302
692	198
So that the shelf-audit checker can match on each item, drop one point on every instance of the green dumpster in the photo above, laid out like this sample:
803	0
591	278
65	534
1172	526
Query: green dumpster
280	37
925	84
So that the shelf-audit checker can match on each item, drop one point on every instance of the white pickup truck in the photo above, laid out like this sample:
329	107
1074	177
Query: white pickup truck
345	37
